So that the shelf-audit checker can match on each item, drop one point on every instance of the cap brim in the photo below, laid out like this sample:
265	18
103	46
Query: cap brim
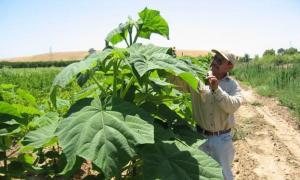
222	54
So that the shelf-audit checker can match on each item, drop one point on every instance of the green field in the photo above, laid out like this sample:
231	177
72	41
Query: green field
269	79
35	80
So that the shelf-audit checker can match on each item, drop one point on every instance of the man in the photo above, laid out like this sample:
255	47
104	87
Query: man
213	108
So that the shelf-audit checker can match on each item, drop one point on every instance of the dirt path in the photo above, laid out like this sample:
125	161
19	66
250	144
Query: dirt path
268	145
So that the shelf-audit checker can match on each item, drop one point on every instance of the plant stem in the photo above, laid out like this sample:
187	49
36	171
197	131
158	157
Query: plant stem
146	81
54	161
125	40
136	37
137	34
115	66
5	157
134	163
13	152
130	35
131	81
100	87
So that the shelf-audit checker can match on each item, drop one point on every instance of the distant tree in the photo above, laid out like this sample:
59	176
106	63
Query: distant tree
269	52
91	51
245	58
291	51
256	57
280	51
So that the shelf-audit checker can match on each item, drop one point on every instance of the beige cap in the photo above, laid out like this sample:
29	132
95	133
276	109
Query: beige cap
226	55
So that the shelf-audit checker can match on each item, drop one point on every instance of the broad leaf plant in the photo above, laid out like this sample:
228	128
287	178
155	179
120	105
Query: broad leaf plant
127	119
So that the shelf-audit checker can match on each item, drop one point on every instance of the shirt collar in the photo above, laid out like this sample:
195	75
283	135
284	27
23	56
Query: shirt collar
226	77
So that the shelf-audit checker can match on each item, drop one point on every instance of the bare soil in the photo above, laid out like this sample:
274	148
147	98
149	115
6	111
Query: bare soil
78	55
268	140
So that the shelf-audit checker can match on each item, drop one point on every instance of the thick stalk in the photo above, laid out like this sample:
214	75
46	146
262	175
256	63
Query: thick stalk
54	161
124	92
5	162
115	66
136	37
130	35
125	40
132	165
100	87
5	157
146	81
137	34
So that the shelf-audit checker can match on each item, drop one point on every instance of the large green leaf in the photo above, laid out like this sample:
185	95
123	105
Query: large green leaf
104	137
70	72
152	22
26	96
8	109
146	50
188	135
27	109
149	58
169	160
190	79
9	127
118	34
41	137
133	117
46	119
44	135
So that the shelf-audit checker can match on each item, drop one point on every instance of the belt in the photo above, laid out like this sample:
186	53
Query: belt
209	133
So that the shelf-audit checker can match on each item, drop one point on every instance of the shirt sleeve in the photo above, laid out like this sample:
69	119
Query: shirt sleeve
229	103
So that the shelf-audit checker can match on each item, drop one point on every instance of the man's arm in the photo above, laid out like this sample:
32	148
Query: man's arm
229	103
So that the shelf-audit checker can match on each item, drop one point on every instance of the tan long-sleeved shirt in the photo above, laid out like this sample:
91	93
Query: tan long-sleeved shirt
213	111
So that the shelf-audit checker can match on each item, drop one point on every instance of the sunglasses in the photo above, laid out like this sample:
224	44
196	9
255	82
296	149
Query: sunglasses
219	59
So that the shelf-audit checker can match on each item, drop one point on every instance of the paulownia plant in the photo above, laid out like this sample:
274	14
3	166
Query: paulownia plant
17	109
127	119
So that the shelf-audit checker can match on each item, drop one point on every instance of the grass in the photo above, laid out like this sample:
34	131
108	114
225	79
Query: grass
37	81
281	81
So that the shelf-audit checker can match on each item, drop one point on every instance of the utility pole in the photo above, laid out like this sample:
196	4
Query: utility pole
50	53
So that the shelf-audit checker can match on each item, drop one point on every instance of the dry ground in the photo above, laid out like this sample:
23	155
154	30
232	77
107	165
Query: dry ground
55	56
268	145
76	55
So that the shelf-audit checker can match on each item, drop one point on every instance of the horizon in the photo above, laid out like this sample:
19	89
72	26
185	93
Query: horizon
32	27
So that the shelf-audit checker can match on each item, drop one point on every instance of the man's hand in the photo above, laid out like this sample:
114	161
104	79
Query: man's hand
213	82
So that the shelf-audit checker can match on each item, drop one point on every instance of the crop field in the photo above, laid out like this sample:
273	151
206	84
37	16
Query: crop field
269	79
37	81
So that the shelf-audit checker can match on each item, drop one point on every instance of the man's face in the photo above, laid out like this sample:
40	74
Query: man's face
220	66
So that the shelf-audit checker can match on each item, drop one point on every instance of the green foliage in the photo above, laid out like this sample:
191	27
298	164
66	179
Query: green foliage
149	22
115	109
281	81
36	81
134	112
245	58
9	64
269	52
17	109
280	51
291	51
278	59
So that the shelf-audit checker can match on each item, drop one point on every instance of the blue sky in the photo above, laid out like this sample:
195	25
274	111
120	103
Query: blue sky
31	27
